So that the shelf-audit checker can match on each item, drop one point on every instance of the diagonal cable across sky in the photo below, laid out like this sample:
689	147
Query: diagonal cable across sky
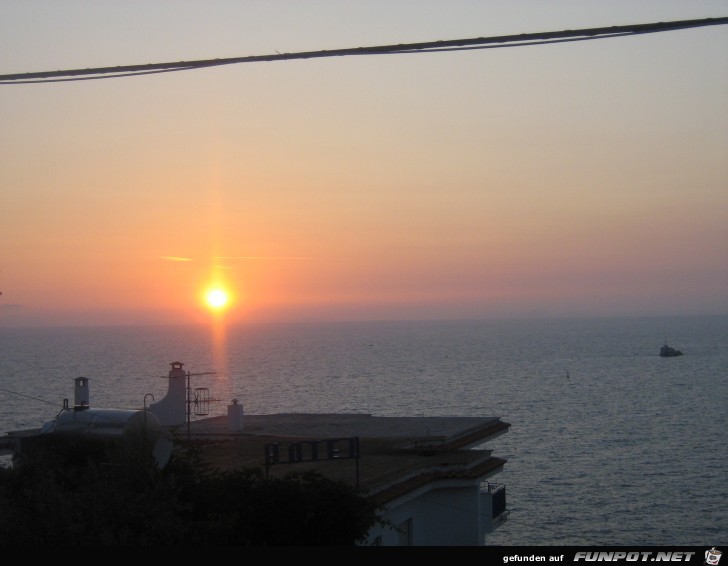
402	48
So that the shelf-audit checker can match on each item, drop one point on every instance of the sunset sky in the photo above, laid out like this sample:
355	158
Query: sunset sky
574	179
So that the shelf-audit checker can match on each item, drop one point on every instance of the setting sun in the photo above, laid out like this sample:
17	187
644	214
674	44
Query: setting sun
216	299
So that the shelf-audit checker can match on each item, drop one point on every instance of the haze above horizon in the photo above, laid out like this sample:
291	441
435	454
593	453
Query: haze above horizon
574	179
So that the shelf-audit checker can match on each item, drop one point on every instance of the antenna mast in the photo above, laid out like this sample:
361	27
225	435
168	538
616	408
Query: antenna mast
201	399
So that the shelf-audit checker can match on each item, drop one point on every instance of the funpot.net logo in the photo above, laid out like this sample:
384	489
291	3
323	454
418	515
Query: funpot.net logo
617	556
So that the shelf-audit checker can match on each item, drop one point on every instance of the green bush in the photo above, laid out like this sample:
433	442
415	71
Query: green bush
60	493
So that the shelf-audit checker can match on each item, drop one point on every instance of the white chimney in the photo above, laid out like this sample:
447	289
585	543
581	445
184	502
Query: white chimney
81	393
172	410
235	416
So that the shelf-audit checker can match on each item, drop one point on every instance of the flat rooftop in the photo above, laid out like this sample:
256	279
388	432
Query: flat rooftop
396	454
436	429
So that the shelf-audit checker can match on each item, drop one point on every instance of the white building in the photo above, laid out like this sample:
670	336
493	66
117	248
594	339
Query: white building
431	476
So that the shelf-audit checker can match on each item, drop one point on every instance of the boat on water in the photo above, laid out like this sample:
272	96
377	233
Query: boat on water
668	352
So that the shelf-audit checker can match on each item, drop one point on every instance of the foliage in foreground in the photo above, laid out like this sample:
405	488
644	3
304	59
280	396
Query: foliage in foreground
64	497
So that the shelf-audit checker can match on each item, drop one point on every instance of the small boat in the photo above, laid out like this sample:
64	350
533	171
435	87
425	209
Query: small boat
668	352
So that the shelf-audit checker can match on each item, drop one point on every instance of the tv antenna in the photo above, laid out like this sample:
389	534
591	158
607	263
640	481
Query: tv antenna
197	400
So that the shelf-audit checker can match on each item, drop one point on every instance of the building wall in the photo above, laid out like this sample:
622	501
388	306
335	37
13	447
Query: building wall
449	516
444	513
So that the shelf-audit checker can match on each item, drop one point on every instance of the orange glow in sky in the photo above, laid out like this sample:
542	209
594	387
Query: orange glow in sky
574	179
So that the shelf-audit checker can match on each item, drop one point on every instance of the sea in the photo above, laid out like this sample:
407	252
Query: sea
609	443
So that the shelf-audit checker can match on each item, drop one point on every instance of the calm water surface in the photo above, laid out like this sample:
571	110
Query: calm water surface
609	445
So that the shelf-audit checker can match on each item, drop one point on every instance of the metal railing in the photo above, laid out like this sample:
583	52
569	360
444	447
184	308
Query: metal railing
497	492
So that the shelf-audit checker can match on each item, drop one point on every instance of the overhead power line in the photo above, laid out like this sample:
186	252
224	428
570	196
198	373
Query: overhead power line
423	47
